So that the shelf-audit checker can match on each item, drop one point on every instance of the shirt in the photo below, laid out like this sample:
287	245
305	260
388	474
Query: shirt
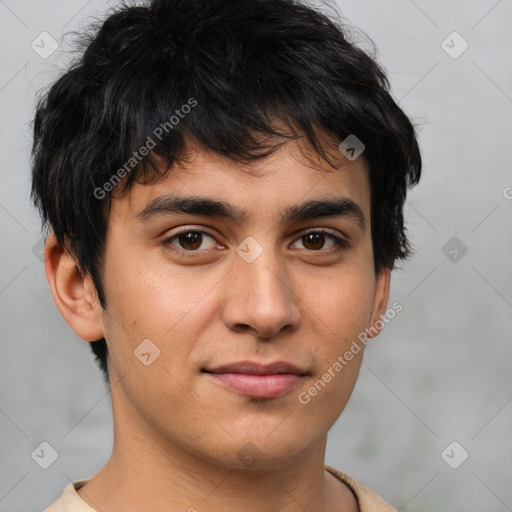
367	500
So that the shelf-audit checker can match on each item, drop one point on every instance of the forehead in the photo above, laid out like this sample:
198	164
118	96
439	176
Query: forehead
263	187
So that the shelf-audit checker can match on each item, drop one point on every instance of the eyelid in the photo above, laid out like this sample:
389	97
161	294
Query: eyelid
339	239
327	231
203	231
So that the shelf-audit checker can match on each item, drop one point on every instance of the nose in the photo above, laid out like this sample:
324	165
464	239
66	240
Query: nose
259	296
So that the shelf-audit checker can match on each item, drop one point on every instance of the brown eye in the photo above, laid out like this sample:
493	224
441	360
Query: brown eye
316	240
189	241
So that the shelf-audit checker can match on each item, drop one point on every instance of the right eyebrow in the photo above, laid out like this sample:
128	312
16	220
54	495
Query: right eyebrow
170	204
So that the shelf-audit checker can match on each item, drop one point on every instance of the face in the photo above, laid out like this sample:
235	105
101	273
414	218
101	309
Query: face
260	278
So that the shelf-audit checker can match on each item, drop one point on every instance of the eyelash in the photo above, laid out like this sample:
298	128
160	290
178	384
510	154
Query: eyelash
341	244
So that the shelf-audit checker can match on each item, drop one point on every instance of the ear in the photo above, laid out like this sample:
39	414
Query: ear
74	294
380	302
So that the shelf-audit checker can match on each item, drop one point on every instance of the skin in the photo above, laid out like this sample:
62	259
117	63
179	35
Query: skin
178	434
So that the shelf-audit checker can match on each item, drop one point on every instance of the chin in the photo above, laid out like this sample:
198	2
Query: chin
257	452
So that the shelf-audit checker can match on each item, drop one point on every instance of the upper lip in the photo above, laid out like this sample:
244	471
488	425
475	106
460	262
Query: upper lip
254	368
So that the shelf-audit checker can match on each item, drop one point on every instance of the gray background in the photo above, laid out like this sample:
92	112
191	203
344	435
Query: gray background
440	371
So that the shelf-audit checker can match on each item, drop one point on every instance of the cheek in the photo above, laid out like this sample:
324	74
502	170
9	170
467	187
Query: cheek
147	301
146	294
341	303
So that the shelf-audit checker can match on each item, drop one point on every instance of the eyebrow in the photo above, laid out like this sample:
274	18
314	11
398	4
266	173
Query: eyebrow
309	210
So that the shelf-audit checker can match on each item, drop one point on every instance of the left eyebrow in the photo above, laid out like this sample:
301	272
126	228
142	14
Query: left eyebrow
336	207
211	207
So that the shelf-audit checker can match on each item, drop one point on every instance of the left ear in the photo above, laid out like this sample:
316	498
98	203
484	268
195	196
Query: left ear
380	302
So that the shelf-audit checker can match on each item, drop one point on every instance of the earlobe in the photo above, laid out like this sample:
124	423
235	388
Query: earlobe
380	302
73	293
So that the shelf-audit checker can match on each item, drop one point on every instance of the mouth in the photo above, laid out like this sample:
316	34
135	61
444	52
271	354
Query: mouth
256	379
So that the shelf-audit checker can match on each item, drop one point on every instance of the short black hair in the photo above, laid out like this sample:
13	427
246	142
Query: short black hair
218	72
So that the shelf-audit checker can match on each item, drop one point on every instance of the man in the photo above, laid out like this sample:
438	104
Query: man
223	184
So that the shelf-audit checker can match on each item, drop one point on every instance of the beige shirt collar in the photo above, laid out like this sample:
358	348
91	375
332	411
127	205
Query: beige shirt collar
368	501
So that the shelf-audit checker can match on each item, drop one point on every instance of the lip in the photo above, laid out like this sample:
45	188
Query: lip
258	386
256	379
255	368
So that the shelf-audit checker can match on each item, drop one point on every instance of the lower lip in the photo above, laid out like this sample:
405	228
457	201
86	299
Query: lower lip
260	386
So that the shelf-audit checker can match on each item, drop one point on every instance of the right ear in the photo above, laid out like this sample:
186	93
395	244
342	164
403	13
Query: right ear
74	294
